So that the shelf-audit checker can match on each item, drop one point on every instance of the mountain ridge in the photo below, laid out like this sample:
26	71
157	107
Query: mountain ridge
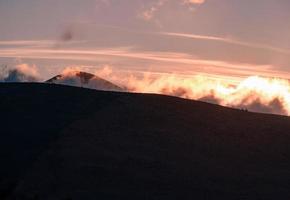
143	146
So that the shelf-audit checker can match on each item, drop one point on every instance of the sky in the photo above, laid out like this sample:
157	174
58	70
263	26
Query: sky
222	37
228	40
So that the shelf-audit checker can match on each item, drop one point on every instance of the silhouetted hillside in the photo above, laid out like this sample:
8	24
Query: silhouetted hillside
62	142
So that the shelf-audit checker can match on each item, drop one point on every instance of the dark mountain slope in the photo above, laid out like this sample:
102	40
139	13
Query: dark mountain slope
32	116
156	147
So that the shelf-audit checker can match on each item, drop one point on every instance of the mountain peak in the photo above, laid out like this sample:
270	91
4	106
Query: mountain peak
84	79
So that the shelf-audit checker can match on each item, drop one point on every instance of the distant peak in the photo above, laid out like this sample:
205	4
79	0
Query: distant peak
84	79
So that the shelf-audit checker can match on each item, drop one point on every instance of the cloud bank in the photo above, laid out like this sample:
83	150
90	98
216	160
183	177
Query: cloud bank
257	94
19	73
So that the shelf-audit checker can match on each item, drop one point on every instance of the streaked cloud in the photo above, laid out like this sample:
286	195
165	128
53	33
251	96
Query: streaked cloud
227	40
27	42
173	61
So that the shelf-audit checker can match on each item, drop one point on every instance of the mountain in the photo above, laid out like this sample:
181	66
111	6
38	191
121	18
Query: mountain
60	142
85	80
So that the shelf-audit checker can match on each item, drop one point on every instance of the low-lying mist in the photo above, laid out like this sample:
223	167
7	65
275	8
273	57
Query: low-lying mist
257	94
19	73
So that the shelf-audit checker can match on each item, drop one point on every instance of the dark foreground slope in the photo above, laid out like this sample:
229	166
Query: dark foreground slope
32	116
72	143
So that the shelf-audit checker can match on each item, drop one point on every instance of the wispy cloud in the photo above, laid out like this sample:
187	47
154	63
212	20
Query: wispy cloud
173	61
26	42
227	40
149	14
193	1
40	43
